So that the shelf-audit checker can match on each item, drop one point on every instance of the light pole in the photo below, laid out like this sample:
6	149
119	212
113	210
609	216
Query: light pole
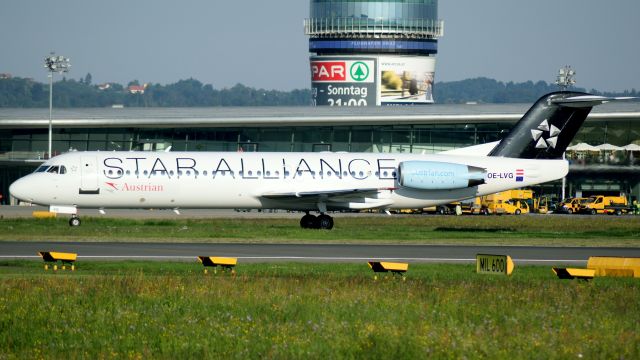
59	64
566	77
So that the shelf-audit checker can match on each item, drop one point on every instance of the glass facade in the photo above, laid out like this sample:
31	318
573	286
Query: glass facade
31	144
415	19
392	10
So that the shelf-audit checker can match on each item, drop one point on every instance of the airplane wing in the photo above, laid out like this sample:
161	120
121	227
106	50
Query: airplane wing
322	193
356	198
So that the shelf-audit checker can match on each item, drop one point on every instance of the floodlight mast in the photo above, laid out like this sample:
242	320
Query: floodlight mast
59	64
566	77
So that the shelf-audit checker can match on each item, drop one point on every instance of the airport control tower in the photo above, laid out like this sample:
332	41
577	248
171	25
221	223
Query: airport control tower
366	53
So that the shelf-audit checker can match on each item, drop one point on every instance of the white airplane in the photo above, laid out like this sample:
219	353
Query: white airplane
530	154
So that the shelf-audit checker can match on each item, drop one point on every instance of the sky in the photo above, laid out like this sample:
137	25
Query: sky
262	43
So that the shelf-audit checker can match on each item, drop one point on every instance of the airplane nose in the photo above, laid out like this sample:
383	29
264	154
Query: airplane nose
19	190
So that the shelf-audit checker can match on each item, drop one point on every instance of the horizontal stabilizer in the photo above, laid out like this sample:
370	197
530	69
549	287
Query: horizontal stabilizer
584	101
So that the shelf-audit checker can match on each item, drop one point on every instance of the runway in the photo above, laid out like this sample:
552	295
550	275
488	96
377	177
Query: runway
309	252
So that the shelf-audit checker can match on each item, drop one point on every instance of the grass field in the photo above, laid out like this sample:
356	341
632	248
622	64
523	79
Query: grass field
172	310
486	230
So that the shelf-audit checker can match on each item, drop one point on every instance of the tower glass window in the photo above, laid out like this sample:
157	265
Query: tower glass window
388	10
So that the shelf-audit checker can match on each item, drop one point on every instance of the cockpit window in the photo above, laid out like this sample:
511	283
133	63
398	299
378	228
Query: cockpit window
52	169
55	169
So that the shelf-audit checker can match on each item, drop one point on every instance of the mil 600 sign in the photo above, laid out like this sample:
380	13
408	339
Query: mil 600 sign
494	264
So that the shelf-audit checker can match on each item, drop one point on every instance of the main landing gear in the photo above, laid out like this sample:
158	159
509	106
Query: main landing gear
322	221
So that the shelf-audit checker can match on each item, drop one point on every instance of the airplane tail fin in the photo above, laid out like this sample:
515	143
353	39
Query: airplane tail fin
548	127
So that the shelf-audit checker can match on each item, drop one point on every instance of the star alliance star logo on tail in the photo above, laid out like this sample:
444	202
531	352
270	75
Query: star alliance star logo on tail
552	138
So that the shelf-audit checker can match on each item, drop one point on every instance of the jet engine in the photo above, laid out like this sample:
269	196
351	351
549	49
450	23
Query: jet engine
433	175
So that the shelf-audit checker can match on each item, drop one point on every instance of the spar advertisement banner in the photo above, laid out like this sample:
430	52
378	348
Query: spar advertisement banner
372	80
343	81
406	79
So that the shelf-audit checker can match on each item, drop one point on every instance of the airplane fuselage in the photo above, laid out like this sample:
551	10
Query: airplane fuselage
261	180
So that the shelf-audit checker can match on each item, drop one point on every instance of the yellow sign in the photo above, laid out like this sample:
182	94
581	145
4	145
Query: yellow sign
54	257
573	273
382	266
615	266
224	263
494	264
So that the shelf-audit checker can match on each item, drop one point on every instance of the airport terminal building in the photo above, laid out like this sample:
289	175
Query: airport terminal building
430	129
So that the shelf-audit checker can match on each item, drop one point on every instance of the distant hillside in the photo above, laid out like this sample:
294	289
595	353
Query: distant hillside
26	93
484	90
69	93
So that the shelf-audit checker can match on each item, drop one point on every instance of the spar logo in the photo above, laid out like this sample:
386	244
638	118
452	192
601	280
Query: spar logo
359	71
342	71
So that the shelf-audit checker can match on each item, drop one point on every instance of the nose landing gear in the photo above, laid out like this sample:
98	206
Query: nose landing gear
74	221
322	221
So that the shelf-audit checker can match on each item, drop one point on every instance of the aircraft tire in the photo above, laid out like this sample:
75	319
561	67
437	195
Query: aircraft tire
325	222
309	222
74	221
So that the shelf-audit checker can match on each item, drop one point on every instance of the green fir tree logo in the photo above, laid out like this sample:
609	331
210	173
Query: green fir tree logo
359	71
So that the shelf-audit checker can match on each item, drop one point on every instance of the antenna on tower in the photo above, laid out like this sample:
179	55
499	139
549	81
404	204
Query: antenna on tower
566	77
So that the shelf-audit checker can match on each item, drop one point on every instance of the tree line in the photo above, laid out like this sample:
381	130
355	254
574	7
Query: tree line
19	92
485	90
70	93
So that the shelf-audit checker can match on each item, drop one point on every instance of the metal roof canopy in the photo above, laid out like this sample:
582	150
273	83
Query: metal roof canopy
213	117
